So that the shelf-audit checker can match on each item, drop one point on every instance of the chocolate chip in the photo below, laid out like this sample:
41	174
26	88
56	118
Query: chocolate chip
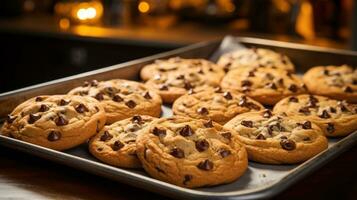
43	108
201	71
330	128
187	178
190	91
261	136
106	136
304	110
251	74
117	98
81	108
159	132
267	113
242	101
163	87
333	110
304	86
281	81
39	99
348	89
117	145
180	77
248	124
306	125
188	85
326	72
288	74
63	102
342	106
288	144
202	145
271	86
227	135
208	124
187	131
218	89
99	96
205	165
293	88
10	119
224	152
313	99
136	119
227	95
177	152
293	99
202	111
245	89
33	118
324	115
246	83
269	76
130	104
61	121
54	136
94	83
227	67
147	95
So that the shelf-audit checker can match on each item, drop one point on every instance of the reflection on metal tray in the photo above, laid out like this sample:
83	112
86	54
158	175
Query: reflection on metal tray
260	181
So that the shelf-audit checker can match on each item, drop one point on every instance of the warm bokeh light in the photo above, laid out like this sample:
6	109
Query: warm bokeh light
86	13
64	23
144	7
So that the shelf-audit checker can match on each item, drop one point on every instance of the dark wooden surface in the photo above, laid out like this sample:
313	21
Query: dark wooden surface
27	177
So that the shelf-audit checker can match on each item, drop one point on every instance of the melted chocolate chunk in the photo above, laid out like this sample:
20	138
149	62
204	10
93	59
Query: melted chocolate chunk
202	145
117	98
348	89
251	74
271	86
39	99
130	104
159	132
304	110
147	95
94	83
342	106
33	118
61	121
281	81
208	124
186	131
267	113
81	108
163	87
99	96
188	85
330	128
227	95
245	89
293	88
224	153
218	89
246	83
227	135
288	144
205	165
269	76
54	136
261	137
117	145
333	110
293	99
202	111
136	119
306	125
326	72
63	102
43	108
324	115
248	124
10	119
180	77
201	71
243	101
106	136
177	152
187	178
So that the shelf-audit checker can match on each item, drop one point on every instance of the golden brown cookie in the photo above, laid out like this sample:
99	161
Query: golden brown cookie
277	139
177	64
58	122
218	105
265	85
337	82
173	85
191	153
116	143
335	118
253	58
122	98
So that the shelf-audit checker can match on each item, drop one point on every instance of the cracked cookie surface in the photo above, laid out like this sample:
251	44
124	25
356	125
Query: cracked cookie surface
58	122
116	144
218	105
277	139
191	153
335	118
122	98
337	82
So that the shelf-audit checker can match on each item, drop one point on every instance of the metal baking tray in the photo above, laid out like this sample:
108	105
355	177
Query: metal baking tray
259	181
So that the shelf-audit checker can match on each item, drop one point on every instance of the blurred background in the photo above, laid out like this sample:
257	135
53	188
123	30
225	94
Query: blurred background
42	40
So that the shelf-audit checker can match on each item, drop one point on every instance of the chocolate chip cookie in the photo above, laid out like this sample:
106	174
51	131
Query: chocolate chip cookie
178	64
191	153
172	86
335	118
218	105
277	139
265	85
122	98
253	58
337	82
116	143
58	122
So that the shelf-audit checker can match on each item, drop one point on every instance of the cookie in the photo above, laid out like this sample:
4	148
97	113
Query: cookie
277	139
122	99
172	86
191	153
253	58
116	143
337	82
218	105
335	118
265	85
58	122
178	64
